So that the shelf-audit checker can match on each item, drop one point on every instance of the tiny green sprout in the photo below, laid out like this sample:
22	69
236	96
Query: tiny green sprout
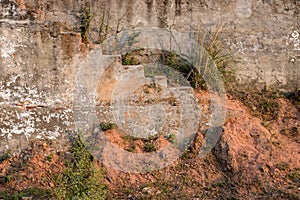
172	138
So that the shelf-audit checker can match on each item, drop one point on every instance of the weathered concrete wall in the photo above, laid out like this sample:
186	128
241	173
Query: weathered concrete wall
263	36
36	84
40	46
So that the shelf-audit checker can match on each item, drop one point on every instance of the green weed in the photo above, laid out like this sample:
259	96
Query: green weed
4	157
107	126
294	97
34	193
294	175
283	166
128	60
86	19
262	103
211	52
149	147
81	179
49	158
218	184
172	138
131	148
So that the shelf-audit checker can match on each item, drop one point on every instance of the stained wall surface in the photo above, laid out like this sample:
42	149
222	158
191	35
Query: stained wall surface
41	49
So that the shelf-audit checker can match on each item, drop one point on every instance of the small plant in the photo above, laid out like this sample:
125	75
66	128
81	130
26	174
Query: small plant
149	147
245	155
4	157
210	52
128	137
82	178
32	193
218	184
49	158
294	175
7	179
103	28
172	138
131	148
262	103
107	126
128	60
294	97
86	19
283	166
268	106
187	153
186	69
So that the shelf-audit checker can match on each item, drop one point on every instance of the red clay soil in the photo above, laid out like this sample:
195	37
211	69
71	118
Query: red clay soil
253	159
33	167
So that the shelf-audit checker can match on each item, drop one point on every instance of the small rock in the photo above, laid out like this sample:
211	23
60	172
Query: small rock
147	190
51	184
45	146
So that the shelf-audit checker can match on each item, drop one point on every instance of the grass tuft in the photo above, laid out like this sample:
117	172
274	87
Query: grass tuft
82	178
107	126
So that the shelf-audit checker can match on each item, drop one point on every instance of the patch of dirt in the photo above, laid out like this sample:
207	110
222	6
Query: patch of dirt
254	159
263	104
33	167
135	145
256	155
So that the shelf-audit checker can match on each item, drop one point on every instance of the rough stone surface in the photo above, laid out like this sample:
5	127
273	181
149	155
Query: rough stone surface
145	106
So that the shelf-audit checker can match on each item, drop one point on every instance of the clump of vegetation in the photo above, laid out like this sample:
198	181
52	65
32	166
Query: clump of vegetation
4	157
103	27
293	131
49	158
172	138
294	97
294	175
82	178
188	153
149	147
7	178
129	138
30	193
181	65
86	19
283	166
107	126
129	60
213	48
218	184
262	103
131	148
